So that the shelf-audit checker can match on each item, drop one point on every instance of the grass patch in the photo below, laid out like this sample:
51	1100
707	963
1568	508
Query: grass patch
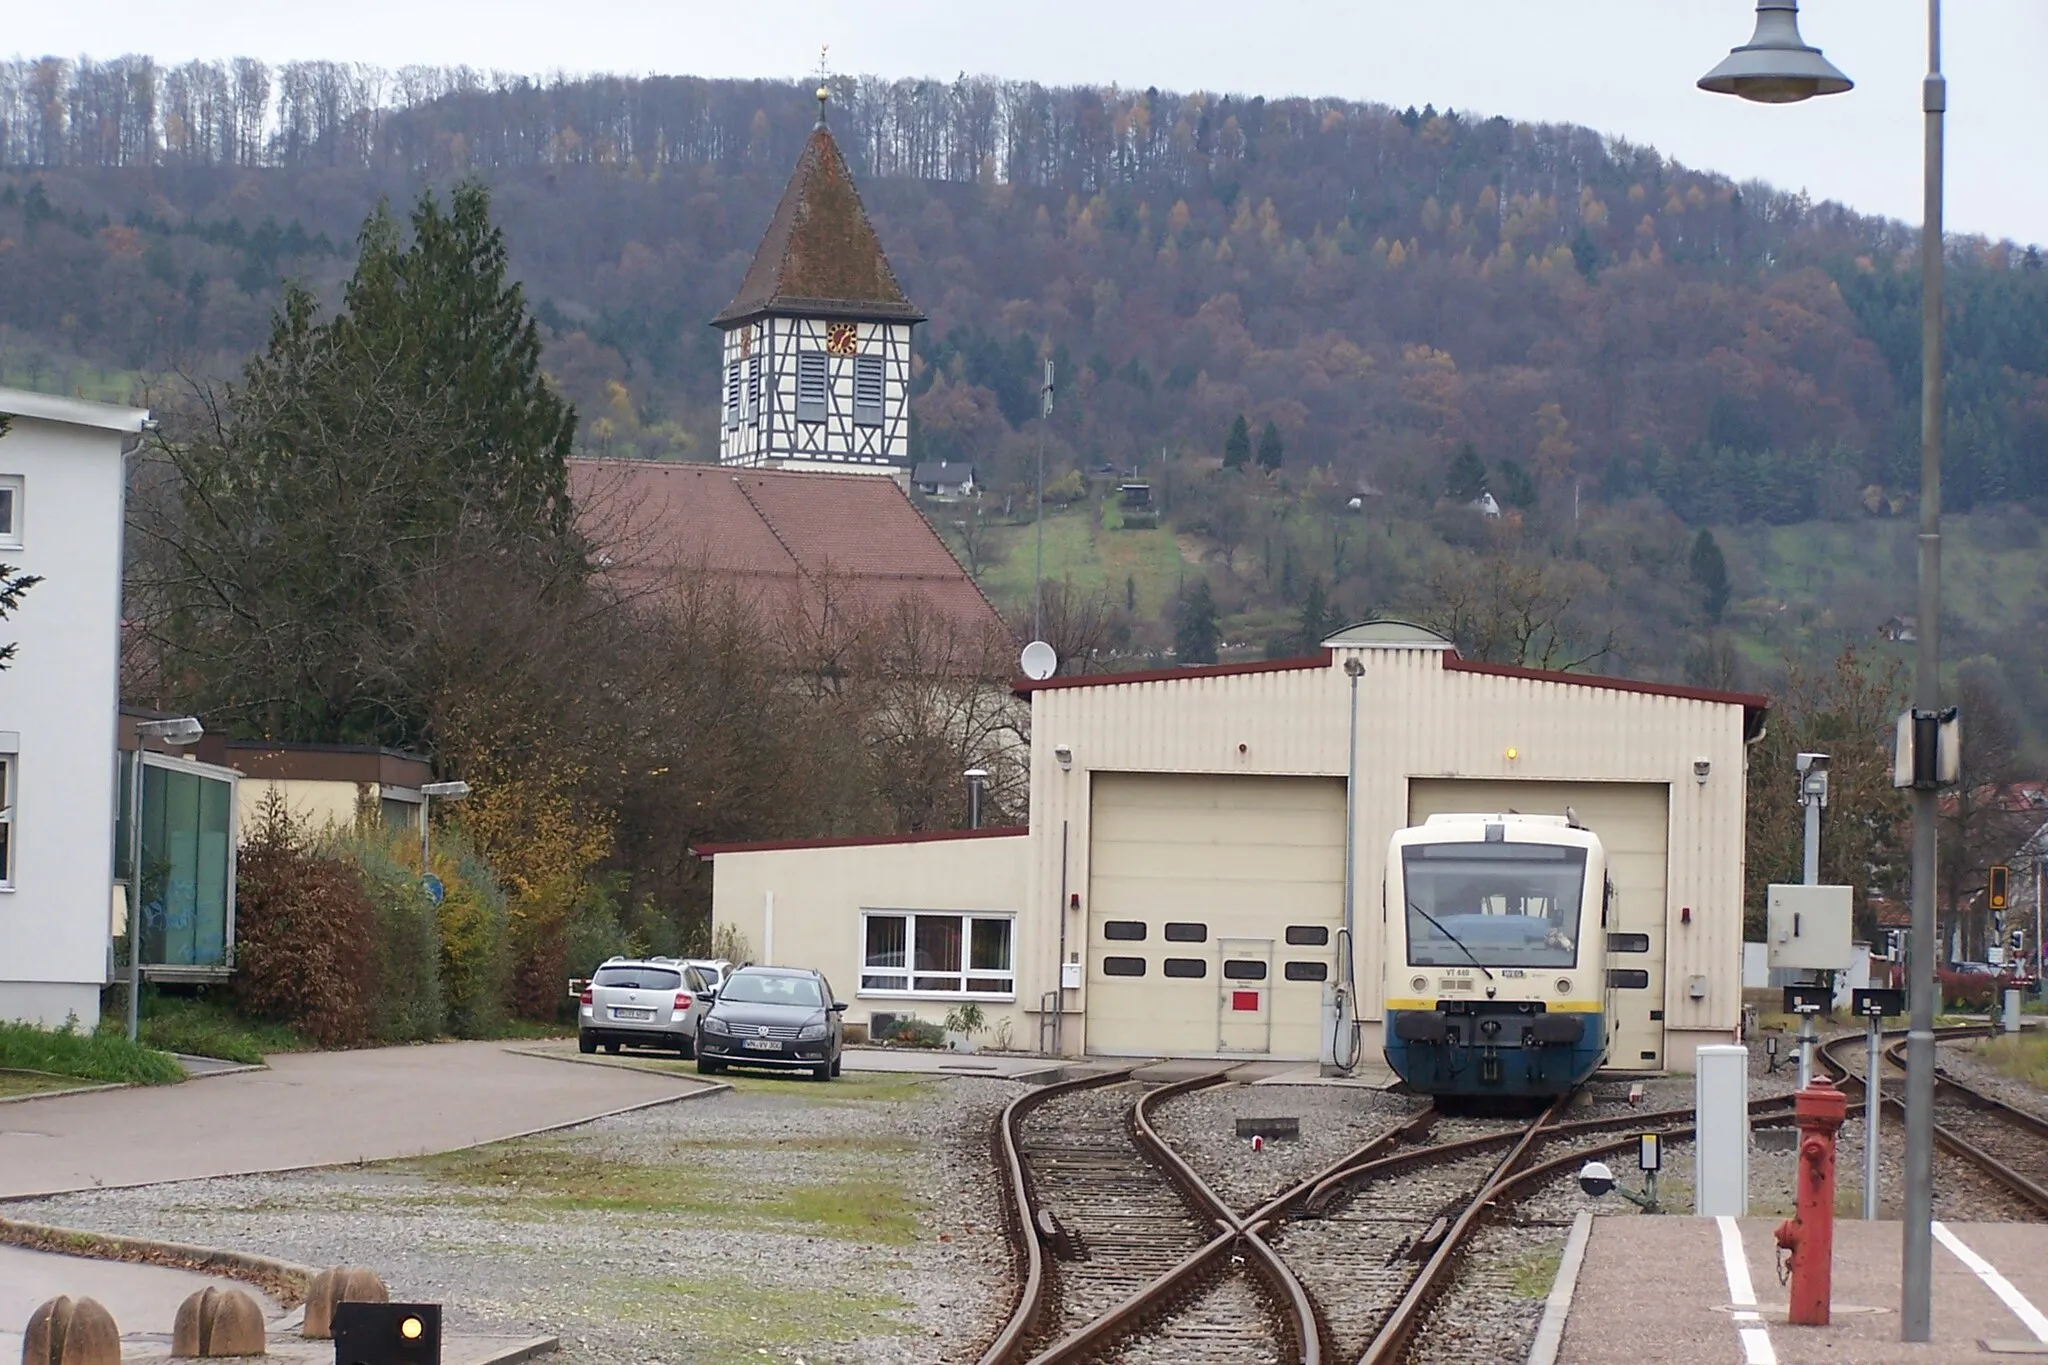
1535	1274
2022	1056
89	1056
211	1028
727	1318
14	1084
545	1177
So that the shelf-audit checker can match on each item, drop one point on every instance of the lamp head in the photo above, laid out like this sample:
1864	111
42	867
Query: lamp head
179	731
1776	66
1064	754
446	791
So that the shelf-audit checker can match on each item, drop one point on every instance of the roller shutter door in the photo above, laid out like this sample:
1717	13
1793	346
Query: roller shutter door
1633	822
1213	910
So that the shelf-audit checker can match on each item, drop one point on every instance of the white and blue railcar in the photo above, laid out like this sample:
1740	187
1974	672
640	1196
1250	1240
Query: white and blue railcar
1496	955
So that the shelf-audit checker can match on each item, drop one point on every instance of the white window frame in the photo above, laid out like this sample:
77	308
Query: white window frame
10	536
9	776
909	973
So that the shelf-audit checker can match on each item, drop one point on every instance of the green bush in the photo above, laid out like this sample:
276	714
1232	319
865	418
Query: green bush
301	921
102	1056
476	957
408	942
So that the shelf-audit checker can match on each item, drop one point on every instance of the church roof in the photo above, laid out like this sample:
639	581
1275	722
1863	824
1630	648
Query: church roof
779	537
820	256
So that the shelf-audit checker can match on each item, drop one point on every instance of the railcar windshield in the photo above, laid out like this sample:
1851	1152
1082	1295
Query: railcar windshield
1493	904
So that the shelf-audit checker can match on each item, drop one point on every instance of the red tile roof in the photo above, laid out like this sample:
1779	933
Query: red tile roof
820	256
776	535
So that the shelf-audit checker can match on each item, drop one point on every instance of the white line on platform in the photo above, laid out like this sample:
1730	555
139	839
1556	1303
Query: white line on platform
1999	1285
1756	1341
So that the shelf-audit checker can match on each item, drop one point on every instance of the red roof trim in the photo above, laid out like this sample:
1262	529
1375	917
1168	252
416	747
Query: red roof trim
862	840
1749	701
1025	686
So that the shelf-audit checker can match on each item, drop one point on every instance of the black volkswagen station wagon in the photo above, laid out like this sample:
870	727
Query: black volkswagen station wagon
772	1016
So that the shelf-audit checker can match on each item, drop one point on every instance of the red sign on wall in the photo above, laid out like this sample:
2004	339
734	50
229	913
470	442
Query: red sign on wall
1244	1000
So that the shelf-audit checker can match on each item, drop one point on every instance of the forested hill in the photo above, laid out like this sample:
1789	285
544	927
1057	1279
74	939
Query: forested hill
1382	285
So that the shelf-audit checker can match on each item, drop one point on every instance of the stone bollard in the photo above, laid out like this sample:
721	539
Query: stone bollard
342	1284
217	1322
68	1331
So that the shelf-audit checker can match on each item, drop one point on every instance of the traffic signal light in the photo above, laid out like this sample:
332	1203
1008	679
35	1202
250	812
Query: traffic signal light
387	1333
2000	881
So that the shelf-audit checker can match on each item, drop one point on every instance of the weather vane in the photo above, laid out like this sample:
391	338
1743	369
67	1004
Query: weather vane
824	82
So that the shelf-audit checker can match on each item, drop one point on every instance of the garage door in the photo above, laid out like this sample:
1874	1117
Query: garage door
1631	819
1213	910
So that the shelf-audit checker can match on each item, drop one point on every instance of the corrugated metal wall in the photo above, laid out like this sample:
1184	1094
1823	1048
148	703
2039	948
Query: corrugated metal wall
1416	718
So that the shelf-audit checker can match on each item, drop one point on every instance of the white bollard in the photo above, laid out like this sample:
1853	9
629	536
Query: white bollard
2012	1012
1721	1116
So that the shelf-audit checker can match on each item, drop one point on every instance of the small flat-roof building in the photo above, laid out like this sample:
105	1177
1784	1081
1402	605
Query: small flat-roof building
1188	851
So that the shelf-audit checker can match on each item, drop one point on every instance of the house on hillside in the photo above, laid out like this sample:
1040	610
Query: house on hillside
1900	630
62	476
943	482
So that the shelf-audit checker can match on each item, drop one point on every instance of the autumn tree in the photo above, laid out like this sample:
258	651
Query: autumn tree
1195	631
1514	485
1845	710
1271	448
1237	446
1465	480
1709	573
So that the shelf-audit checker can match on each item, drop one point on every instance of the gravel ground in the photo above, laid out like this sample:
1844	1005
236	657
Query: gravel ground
855	1222
1335	1121
1961	1061
1491	1310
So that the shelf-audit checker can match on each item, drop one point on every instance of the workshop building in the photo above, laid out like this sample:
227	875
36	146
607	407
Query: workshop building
1181	887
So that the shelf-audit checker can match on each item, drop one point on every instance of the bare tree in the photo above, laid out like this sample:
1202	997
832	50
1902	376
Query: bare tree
1507	607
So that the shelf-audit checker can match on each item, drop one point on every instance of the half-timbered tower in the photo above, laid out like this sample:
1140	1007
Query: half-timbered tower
816	354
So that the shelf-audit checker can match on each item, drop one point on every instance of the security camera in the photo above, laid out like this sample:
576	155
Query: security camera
1701	767
1595	1179
1064	753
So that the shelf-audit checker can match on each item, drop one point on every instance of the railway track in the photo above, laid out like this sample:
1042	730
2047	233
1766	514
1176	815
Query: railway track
2004	1142
1126	1253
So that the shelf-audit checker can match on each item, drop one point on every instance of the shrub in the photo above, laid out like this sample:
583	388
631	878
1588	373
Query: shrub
204	1027
301	921
475	951
407	941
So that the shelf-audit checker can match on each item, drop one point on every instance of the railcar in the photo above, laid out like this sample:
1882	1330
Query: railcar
1496	955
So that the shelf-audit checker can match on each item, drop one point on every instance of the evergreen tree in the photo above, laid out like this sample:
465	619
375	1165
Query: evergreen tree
1315	617
1517	489
1710	572
1237	447
1466	478
1195	633
1130	593
1271	448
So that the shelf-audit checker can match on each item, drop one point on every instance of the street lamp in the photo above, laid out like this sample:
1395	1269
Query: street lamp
447	791
976	778
179	731
1775	67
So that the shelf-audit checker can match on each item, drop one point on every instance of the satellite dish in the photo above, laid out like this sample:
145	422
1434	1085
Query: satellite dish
1039	661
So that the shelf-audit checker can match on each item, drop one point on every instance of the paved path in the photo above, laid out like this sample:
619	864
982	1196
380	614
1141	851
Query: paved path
307	1109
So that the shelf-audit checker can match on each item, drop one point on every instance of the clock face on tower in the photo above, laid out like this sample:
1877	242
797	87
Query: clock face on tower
842	338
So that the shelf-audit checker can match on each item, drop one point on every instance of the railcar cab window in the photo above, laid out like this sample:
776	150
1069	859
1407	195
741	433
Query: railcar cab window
1493	904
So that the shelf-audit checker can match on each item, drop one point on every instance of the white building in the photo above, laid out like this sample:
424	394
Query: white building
61	513
1180	890
817	341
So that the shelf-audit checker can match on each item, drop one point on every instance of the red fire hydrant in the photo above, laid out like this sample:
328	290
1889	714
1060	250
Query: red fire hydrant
1809	1235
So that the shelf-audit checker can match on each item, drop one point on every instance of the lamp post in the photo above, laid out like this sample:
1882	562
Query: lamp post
447	791
1777	67
180	731
976	779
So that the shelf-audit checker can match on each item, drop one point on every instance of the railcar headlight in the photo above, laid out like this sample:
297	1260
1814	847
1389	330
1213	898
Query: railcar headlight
1420	983
1564	985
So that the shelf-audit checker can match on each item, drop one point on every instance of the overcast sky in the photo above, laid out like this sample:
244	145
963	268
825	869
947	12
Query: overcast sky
1625	67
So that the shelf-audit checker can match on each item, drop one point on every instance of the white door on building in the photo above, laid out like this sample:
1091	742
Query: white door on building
1633	822
1207	893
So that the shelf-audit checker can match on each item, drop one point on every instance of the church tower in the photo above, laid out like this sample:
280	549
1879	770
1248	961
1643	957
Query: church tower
816	347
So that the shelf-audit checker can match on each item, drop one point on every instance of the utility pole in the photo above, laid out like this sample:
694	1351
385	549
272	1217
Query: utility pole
1038	561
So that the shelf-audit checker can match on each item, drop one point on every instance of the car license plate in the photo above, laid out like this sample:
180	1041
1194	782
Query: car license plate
632	1014
762	1044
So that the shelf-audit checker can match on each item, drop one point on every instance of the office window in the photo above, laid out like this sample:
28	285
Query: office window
867	390
937	953
813	386
10	511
